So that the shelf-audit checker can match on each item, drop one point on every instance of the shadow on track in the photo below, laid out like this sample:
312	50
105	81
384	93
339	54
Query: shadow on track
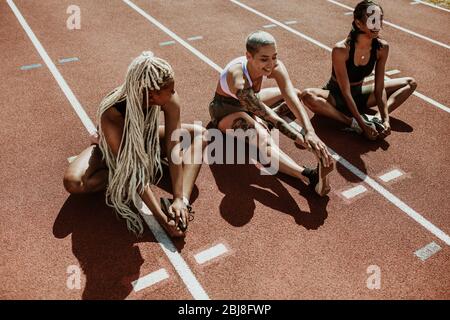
350	145
243	184
102	244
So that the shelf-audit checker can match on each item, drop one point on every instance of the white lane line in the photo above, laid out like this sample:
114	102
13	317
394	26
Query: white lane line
268	26
427	251
350	13
372	183
164	241
195	38
290	22
172	35
418	35
414	2
87	122
166	43
431	101
31	66
149	280
420	95
431	5
391	175
210	253
353	192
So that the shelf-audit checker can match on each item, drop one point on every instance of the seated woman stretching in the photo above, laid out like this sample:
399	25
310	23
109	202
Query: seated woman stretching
345	98
240	103
126	160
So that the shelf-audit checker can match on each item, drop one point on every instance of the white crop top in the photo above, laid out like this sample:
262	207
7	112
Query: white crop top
223	75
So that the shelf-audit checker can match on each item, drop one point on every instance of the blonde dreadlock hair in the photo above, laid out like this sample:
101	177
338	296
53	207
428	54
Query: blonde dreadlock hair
138	162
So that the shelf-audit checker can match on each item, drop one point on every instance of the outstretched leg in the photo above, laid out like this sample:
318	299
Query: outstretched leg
87	173
241	120
321	102
272	97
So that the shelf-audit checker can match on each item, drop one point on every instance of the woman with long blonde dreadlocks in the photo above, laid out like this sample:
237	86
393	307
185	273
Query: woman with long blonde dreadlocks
126	159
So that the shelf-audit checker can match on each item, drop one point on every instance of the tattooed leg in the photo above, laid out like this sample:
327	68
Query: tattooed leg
241	123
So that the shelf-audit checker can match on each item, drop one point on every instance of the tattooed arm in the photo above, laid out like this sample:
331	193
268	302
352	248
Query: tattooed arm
253	104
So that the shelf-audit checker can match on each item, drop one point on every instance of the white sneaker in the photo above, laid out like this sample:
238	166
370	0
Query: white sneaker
354	127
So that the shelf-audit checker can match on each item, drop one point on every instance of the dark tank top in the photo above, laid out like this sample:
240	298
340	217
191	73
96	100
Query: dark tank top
358	73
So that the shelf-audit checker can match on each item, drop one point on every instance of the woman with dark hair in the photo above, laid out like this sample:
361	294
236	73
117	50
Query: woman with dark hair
345	98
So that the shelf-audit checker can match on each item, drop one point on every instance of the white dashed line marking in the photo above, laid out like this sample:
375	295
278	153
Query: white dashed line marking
427	251
210	253
31	66
353	192
149	280
391	175
290	22
267	26
68	60
166	43
392	72
195	38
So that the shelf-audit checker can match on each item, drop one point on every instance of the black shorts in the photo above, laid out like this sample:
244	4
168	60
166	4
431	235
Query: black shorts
359	93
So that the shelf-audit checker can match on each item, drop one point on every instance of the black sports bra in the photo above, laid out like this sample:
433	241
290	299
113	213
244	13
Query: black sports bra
358	73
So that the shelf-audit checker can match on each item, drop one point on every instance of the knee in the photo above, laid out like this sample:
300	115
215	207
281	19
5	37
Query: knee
308	97
72	184
412	83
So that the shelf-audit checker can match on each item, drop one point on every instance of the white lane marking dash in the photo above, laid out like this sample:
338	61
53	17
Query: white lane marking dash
195	38
290	22
391	175
210	253
31	66
392	72
353	192
68	60
166	43
267	26
149	280
427	251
